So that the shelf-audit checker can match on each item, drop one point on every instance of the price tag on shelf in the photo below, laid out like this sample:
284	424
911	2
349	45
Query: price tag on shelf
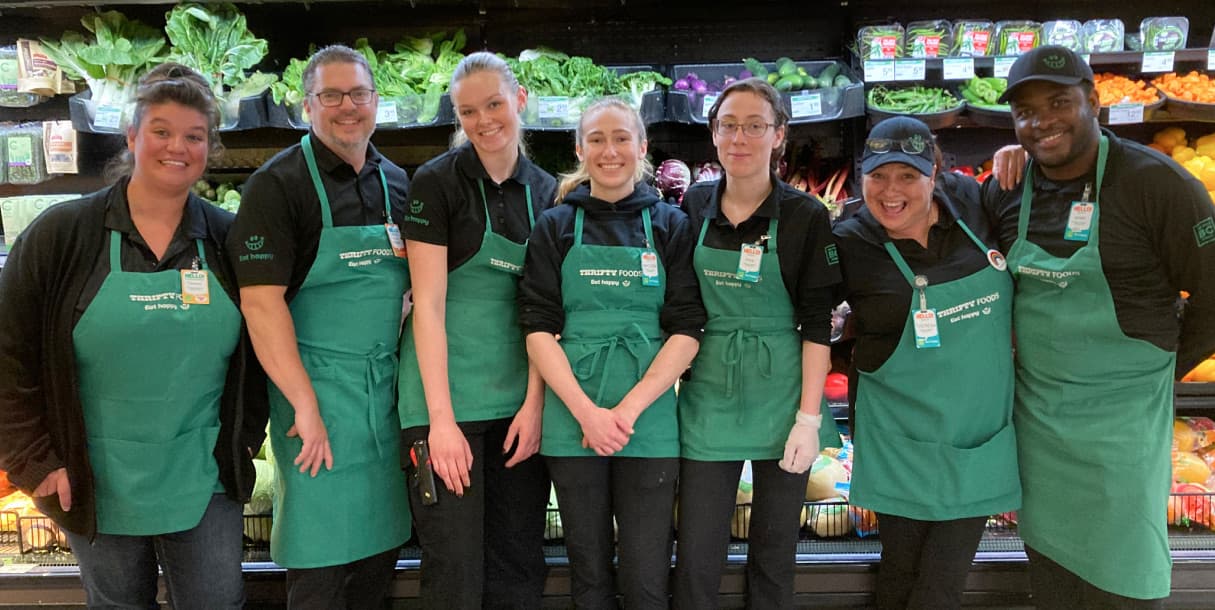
806	105
1211	59
1002	65
709	100
1122	114
958	68
108	116
879	70
554	107
386	112
909	69
1158	61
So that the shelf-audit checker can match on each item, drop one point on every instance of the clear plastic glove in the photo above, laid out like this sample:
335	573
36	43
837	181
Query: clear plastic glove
802	447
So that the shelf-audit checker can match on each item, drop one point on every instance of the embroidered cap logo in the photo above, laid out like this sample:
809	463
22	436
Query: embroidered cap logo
1054	62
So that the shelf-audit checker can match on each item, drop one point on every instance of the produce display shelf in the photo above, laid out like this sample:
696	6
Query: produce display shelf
934	66
806	106
562	113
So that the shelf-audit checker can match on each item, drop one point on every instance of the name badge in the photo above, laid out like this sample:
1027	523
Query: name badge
649	268
394	238
749	260
1079	221
925	323
195	290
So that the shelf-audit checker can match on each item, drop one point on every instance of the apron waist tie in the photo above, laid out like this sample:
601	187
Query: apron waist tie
375	375
583	371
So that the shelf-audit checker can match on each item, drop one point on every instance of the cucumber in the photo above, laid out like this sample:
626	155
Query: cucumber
829	72
842	81
786	67
789	83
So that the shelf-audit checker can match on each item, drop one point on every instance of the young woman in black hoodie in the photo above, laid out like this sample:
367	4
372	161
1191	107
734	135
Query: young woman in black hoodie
612	314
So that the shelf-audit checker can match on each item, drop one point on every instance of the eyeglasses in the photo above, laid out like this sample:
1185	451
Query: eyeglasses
360	97
756	129
912	146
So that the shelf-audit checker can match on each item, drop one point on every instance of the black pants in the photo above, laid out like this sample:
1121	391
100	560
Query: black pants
707	493
640	493
925	563
1057	588
485	549
358	585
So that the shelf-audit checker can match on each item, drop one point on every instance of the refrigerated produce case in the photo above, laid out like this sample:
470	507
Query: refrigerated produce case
832	571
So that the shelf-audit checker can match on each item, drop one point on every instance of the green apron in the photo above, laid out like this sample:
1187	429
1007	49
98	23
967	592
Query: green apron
151	372
1094	419
746	382
611	336
486	355
347	315
934	436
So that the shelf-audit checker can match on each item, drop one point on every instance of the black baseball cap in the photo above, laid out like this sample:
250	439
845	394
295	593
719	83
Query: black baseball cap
1052	63
899	139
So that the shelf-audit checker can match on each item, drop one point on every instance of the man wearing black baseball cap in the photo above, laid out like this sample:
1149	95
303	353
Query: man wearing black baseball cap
1101	237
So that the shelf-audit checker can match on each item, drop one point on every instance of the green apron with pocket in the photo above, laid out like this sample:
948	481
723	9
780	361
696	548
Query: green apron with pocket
347	315
746	383
611	336
934	437
1094	413
152	371
486	354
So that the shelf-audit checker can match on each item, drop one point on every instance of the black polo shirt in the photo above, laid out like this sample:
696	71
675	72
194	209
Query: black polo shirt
1152	214
808	264
873	285
278	228
137	257
446	208
618	223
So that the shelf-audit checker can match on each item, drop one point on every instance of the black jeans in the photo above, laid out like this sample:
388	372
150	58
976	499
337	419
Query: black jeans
925	563
485	549
707	494
1057	588
358	585
640	493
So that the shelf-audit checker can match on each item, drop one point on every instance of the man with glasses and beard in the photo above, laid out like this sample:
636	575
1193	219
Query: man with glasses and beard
1100	238
322	275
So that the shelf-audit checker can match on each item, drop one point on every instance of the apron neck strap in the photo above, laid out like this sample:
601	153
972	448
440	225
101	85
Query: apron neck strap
905	269
202	256
1027	191
115	252
579	214
527	194
982	246
704	228
772	234
649	228
315	174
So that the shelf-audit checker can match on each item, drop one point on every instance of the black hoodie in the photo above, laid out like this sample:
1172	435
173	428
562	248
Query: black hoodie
611	224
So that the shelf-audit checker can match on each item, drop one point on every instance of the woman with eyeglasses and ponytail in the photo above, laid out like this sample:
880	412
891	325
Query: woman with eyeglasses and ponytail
935	450
767	269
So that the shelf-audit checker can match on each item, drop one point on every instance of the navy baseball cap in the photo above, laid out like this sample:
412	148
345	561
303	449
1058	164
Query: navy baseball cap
899	139
1053	64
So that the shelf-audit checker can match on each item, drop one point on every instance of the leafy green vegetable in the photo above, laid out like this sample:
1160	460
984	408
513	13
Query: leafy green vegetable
636	84
121	51
289	90
215	40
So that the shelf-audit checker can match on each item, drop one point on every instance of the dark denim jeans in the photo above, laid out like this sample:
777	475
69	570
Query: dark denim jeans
202	566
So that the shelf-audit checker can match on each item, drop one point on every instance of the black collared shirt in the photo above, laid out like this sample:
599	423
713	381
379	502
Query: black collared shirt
278	228
875	288
137	257
808	266
446	208
1151	240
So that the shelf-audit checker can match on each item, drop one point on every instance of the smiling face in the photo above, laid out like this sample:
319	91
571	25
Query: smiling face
742	156
1057	125
489	112
610	150
169	147
900	198
346	128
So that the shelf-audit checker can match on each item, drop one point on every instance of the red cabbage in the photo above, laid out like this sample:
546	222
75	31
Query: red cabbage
673	178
